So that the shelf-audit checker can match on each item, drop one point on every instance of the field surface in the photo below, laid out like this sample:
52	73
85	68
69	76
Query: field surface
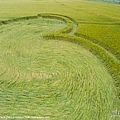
59	59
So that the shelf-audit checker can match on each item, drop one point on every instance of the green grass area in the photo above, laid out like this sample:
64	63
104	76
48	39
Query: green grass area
59	79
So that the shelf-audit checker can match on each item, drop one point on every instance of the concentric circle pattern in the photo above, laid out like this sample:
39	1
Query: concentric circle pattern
57	79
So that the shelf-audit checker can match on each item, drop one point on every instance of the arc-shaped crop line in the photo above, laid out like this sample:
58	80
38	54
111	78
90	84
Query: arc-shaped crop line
109	60
68	20
70	24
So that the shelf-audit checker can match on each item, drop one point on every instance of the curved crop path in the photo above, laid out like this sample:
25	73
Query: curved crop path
57	79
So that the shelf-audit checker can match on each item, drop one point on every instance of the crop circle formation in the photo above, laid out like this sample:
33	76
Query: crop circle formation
53	78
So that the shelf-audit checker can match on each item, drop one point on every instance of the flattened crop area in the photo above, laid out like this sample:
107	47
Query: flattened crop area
53	78
27	28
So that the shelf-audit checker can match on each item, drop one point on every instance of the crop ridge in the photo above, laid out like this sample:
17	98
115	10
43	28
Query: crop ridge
112	64
116	54
109	60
